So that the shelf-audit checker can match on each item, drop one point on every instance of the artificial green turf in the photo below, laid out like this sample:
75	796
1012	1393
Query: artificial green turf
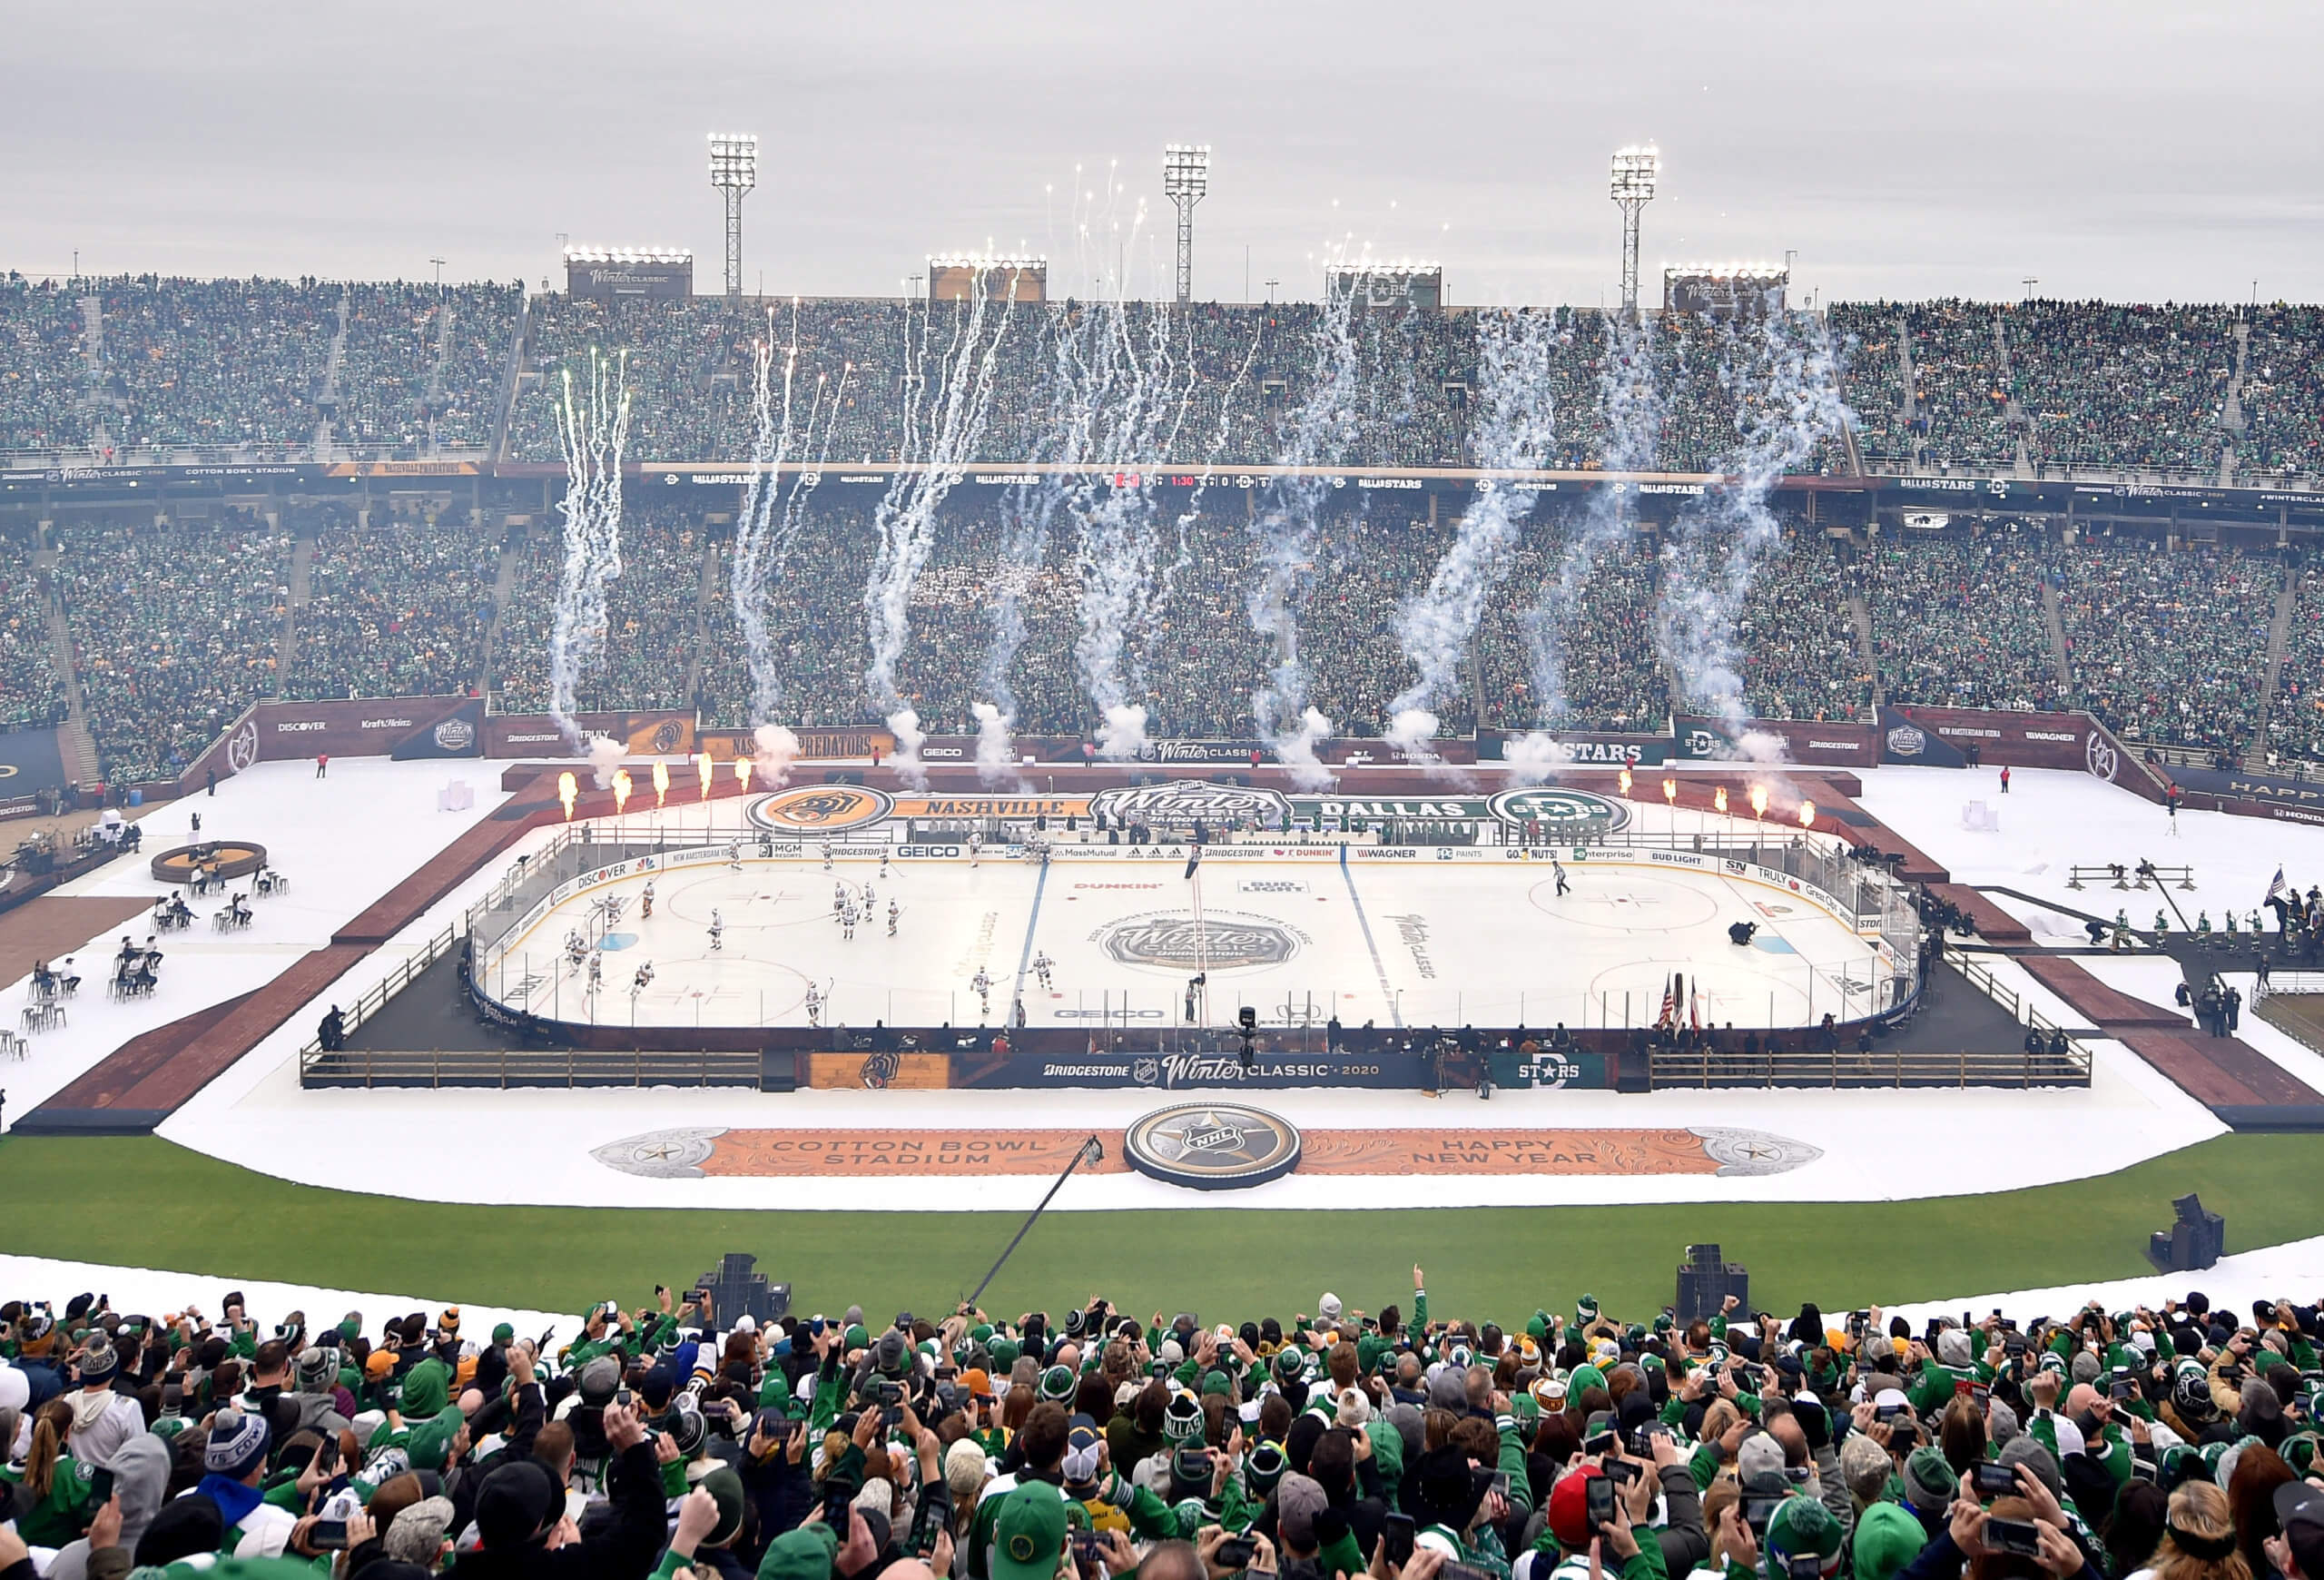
142	1202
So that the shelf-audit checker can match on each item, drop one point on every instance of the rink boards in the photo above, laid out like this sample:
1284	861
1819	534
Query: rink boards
1385	936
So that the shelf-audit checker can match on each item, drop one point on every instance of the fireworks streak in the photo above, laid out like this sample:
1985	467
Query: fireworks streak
1517	423
594	428
1783	375
954	418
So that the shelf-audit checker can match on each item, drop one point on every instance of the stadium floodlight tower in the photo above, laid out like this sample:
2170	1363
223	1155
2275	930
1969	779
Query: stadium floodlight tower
1185	177
1634	169
734	169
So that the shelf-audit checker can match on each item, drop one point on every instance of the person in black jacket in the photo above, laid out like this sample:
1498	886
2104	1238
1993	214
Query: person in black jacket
525	1534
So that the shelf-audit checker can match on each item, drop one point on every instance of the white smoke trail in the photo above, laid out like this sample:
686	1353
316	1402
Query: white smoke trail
1320	434
1783	375
605	755
906	516
756	548
778	748
1632	409
996	755
1516	424
594	430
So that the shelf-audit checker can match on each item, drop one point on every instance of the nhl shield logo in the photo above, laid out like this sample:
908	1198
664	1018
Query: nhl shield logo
1145	1071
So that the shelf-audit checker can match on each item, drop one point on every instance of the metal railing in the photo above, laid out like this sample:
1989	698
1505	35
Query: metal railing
1869	1068
514	1067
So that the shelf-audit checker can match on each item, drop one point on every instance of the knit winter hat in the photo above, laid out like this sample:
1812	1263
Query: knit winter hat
237	1445
101	1364
2086	1366
1262	1468
725	1489
1887	1539
1183	1420
1057	1385
1929	1482
2028	1452
1328	1308
1953	1349
502	1333
1800	1527
513	1504
317	1370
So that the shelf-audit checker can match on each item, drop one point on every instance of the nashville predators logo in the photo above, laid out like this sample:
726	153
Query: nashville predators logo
819	808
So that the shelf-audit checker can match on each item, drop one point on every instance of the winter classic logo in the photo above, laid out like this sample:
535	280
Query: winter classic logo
1174	942
2099	752
455	734
1908	741
1185	801
1566	811
1212	1146
241	749
819	808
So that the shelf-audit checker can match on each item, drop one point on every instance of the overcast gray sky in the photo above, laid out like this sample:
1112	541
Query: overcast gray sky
2136	150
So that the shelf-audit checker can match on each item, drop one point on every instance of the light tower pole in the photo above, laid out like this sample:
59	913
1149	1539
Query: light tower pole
1634	169
1185	176
733	171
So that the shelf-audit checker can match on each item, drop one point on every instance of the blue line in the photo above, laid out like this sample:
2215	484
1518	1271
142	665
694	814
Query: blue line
1347	875
1025	956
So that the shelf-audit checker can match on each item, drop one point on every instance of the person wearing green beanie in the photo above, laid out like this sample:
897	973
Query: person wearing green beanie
800	1552
1800	1527
1887	1539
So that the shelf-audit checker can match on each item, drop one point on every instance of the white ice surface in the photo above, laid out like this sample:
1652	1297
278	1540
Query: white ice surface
541	1141
1417	944
343	842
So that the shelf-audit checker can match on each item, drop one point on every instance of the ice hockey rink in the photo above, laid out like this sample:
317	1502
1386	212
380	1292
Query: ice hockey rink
1387	937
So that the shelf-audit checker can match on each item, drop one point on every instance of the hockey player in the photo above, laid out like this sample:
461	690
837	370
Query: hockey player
814	1005
734	855
883	866
976	844
646	902
893	914
1042	966
596	971
577	948
717	932
642	981
847	921
1558	867
838	900
827	856
982	983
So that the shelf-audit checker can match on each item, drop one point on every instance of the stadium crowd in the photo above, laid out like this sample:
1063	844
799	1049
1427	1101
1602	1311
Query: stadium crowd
2169	646
175	629
235	363
653	611
2171	1443
397	609
1957	621
30	693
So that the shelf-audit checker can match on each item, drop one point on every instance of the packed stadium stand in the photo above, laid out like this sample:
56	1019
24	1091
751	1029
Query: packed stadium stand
172	619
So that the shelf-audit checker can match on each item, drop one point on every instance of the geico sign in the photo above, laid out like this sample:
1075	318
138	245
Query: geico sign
929	850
